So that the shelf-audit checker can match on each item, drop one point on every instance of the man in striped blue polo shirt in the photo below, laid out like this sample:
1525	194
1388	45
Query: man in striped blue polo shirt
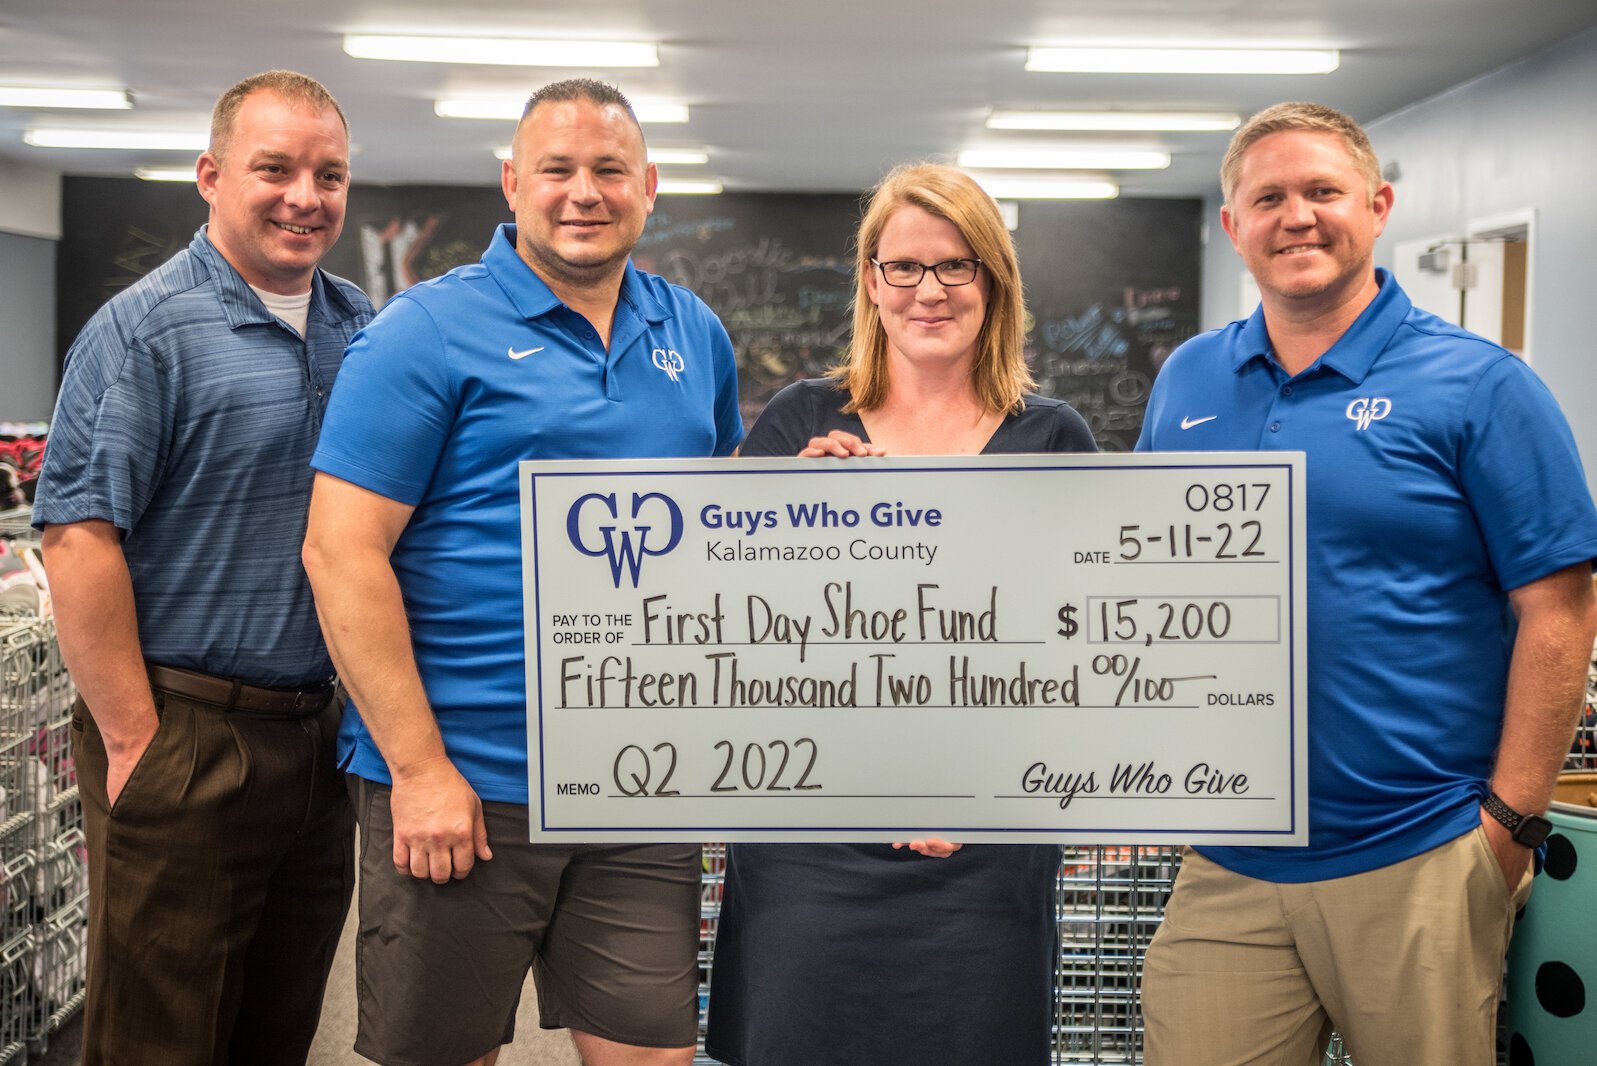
173	501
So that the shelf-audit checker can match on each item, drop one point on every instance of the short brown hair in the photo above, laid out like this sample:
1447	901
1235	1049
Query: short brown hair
598	93
1000	375
1314	118
291	86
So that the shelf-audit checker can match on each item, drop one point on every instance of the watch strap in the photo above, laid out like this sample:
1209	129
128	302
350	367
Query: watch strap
1528	830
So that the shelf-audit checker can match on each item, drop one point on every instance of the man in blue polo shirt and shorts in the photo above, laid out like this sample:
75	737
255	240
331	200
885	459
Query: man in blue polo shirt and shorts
1450	538
173	496
552	347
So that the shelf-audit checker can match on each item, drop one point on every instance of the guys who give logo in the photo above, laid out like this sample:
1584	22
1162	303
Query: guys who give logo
1367	409
624	546
669	361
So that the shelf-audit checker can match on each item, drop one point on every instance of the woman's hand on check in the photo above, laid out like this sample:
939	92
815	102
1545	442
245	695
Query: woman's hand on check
839	444
931	847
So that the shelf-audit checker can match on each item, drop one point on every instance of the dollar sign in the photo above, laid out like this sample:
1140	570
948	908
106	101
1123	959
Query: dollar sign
1067	627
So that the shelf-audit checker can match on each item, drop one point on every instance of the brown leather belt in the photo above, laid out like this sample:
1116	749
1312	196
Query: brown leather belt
228	694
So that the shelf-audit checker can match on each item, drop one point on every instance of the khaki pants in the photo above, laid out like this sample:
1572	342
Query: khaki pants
1405	962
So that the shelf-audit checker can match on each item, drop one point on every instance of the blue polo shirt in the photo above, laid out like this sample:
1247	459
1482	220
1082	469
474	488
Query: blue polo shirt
1440	474
187	417
455	382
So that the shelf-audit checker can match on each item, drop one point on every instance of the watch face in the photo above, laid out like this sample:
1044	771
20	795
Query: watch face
1533	829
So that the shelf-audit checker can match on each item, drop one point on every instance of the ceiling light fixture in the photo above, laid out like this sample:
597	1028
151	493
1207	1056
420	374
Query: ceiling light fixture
125	140
1001	188
1064	158
164	173
1176	121
687	188
502	51
679	157
509	108
40	96
1183	60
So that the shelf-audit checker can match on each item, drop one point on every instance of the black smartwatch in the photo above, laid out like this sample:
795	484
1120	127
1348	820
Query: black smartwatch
1528	830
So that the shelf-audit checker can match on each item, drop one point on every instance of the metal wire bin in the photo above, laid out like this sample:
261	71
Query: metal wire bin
58	970
1110	902
713	877
44	896
16	998
20	774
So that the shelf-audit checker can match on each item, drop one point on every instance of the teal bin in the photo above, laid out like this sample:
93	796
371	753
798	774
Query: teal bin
1552	962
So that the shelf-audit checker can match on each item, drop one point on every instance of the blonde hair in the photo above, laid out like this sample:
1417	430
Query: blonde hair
999	374
1314	118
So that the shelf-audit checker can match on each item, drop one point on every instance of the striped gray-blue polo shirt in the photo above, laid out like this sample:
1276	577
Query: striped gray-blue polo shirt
187	417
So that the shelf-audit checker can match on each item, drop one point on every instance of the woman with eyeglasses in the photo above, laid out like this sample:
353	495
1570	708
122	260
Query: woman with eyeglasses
930	952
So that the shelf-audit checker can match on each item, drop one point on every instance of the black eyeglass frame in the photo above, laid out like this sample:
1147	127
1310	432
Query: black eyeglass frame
935	268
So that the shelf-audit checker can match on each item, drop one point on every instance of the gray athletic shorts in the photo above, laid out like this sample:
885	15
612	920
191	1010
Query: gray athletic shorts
611	933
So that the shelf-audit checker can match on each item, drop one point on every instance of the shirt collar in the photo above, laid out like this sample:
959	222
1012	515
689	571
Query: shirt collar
532	298
1355	352
239	302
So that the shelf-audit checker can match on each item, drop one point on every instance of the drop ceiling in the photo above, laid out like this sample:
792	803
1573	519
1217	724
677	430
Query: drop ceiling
819	95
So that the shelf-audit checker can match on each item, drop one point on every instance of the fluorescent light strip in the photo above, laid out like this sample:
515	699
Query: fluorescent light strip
43	97
670	187
1178	121
679	157
164	173
1056	189
503	51
507	108
1183	60
128	140
671	157
1064	158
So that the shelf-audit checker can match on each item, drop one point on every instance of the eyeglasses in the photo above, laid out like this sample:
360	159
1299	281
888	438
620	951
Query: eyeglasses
906	273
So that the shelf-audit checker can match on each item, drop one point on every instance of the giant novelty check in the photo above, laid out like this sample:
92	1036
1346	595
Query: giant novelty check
1078	648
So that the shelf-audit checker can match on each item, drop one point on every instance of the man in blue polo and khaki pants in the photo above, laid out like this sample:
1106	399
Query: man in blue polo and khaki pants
1450	538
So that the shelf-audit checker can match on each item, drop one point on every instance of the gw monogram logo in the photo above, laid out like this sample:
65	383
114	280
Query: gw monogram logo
668	360
625	548
1367	409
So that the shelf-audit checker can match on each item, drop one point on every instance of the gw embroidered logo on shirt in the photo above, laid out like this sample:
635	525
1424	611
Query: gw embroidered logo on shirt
619	546
668	360
1367	409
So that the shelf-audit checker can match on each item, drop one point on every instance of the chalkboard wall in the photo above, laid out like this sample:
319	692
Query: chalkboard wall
1111	287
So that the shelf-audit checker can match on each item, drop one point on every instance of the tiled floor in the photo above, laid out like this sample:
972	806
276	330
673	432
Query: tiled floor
66	1047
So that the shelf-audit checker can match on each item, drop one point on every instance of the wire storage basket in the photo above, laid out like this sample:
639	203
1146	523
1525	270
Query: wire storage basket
44	892
1110	902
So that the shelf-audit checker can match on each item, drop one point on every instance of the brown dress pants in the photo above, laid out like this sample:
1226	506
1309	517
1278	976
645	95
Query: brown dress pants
218	885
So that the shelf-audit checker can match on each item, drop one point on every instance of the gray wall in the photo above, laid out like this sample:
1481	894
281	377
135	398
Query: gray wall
1521	137
1222	268
27	341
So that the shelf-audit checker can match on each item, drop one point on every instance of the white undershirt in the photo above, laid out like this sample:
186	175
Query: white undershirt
291	309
